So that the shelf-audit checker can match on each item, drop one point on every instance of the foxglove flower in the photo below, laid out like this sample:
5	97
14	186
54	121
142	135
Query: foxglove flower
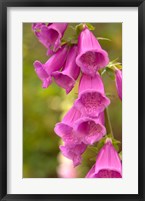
73	152
67	77
108	163
64	129
118	79
50	35
42	74
54	63
72	149
92	100
90	130
37	29
91	57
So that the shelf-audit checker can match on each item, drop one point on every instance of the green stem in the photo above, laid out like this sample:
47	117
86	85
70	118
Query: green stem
108	123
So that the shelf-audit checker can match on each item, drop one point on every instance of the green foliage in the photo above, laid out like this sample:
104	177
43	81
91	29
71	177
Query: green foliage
110	73
111	67
90	27
115	144
114	64
101	38
120	154
79	28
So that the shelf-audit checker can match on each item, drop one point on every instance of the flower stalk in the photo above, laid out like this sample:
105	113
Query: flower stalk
108	123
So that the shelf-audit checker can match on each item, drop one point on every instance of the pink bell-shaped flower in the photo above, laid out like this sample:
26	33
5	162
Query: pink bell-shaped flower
73	148
50	35
67	77
91	57
92	100
37	28
54	63
64	129
108	163
90	130
43	76
118	80
73	152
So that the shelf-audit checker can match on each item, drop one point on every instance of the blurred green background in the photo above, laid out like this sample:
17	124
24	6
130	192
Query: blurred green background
43	108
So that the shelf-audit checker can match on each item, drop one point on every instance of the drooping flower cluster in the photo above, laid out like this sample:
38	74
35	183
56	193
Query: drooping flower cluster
84	123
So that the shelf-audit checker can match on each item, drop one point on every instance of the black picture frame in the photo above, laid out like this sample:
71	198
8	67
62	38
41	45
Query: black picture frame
4	4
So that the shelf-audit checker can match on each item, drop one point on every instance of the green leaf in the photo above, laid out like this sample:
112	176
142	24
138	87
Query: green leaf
114	141
114	64
88	155
90	26
119	66
110	72
93	159
73	28
94	149
74	41
115	144
63	42
120	154
116	147
110	95
101	143
109	136
113	61
79	28
102	71
101	38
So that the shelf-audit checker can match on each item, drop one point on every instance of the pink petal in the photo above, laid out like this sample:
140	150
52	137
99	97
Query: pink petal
71	116
118	80
89	130
56	61
42	74
91	173
92	100
73	152
66	78
66	133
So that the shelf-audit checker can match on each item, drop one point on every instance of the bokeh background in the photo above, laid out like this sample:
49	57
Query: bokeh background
43	108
